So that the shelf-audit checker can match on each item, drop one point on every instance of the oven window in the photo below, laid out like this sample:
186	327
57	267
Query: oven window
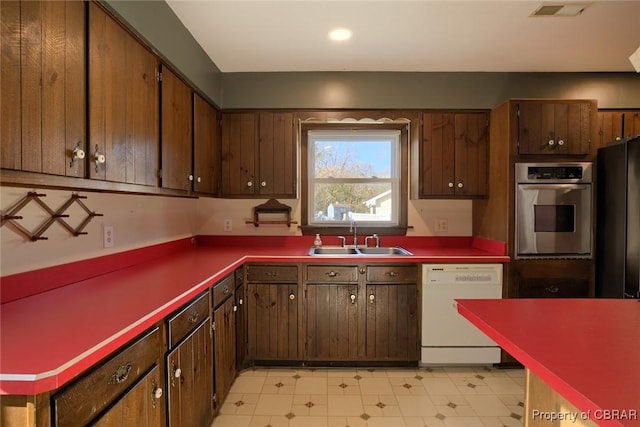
555	218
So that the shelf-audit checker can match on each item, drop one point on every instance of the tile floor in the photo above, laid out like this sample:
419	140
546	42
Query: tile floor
394	397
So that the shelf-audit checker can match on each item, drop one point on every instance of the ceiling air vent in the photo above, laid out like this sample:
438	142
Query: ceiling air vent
560	9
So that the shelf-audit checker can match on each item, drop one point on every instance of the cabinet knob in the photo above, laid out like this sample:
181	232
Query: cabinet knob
177	373
560	142
551	143
451	185
263	184
240	301
332	273
392	274
199	179
157	393
190	177
292	296
249	184
353	298
372	298
77	154
552	289
460	185
98	158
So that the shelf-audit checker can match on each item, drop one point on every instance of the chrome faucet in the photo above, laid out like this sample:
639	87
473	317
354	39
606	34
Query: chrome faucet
354	229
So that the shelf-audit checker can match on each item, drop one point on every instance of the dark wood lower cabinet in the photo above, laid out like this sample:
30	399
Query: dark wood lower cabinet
190	379
552	278
334	322
224	342
392	322
357	313
273	321
141	406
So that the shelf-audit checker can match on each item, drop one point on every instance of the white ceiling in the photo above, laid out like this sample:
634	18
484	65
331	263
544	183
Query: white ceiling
418	35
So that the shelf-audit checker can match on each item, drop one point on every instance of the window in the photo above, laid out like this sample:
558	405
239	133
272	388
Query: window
355	174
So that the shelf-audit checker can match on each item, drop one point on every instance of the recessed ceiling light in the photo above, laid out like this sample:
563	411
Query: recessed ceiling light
340	34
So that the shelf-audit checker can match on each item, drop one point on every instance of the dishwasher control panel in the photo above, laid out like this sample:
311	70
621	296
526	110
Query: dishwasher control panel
463	273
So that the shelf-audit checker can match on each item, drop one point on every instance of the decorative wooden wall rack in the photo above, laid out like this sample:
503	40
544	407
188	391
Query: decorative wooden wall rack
12	216
271	207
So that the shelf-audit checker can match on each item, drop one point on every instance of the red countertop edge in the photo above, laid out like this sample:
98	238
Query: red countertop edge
549	374
281	249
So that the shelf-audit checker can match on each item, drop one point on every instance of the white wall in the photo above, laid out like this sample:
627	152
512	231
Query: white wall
137	220
422	215
140	221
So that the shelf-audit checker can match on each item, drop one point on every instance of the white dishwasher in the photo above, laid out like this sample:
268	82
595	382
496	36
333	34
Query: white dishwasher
447	337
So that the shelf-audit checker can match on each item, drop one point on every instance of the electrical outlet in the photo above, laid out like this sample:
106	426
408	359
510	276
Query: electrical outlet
228	225
107	236
442	225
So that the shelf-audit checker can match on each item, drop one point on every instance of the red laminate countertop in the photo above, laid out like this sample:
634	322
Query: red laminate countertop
48	338
588	350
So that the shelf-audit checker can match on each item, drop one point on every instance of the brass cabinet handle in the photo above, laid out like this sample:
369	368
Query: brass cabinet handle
271	274
121	374
552	289
392	274
193	317
225	290
332	273
353	298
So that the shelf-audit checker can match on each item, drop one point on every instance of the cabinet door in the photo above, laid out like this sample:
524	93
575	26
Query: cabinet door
190	379
123	104
238	162
277	155
610	126
241	326
144	405
224	338
471	154
392	322
631	124
334	325
272	314
437	154
42	88
176	132
554	128
206	146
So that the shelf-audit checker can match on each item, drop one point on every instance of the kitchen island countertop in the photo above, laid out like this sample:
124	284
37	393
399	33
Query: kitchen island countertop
586	350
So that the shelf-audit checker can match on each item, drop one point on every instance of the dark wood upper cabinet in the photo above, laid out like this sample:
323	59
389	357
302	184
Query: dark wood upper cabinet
258	154
617	124
176	118
42	88
555	127
454	154
206	146
123	104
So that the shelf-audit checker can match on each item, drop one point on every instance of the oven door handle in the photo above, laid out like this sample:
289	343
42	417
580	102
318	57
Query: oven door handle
554	186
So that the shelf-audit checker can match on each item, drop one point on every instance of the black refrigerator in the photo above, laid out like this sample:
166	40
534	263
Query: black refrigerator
618	220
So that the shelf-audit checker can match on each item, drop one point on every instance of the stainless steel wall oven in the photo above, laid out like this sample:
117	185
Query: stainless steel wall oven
553	215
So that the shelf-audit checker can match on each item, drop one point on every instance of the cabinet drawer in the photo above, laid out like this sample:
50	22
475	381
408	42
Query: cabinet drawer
223	290
392	273
332	273
187	319
553	288
80	402
272	273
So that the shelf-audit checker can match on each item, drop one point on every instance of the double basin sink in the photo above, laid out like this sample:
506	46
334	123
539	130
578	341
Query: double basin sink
363	251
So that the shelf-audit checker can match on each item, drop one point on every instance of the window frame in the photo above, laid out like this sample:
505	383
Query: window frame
363	228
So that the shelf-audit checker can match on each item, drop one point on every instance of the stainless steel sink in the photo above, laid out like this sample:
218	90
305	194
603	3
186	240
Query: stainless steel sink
364	251
393	250
333	251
